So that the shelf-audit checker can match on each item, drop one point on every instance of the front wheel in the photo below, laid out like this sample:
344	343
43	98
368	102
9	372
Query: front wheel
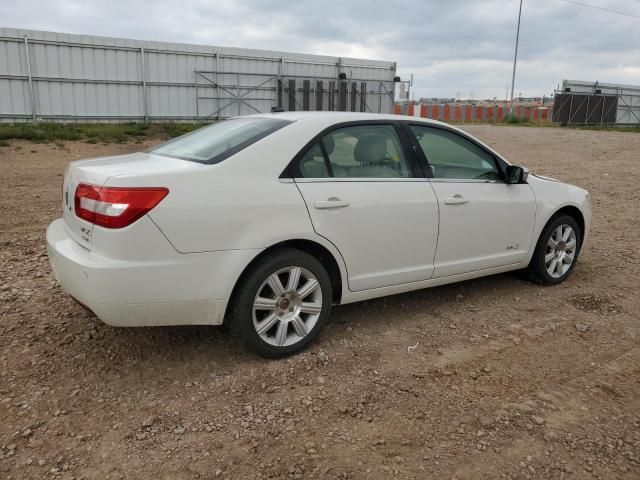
556	252
282	302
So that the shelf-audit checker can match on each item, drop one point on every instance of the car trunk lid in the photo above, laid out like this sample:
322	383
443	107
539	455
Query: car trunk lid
97	172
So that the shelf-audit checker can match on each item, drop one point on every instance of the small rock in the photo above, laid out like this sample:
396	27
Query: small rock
582	327
147	422
538	420
485	421
551	436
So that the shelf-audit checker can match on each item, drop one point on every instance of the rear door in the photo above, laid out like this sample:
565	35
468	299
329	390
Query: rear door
484	222
366	195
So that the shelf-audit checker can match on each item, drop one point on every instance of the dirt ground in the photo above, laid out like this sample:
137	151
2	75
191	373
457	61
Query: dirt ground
507	379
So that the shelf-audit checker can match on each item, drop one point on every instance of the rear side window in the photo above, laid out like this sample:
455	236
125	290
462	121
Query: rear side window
363	151
216	142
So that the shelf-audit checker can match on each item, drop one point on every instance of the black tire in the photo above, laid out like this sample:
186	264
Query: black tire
537	271
241	321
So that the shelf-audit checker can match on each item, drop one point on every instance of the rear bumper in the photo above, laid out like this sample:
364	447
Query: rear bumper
185	289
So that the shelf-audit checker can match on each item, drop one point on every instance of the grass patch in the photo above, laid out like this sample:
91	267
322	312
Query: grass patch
605	128
176	129
50	132
513	120
91	132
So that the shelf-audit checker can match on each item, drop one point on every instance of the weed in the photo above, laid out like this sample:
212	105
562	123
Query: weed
176	129
90	132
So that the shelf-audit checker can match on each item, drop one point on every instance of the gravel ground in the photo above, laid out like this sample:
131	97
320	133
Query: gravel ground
507	379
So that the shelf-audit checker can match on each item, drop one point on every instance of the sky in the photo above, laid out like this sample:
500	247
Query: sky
453	48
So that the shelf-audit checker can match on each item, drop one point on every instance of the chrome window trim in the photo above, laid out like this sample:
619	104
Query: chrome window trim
359	180
463	180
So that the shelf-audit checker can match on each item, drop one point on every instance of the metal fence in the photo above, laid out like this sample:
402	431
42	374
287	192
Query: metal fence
581	102
63	77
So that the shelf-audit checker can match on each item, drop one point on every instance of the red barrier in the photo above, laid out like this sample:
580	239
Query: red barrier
467	113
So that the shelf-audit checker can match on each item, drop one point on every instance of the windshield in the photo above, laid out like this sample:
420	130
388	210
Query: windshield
216	142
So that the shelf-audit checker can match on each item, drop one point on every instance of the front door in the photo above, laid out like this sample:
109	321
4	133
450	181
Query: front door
484	222
365	196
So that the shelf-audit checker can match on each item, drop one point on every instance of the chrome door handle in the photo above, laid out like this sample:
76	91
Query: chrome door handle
332	202
457	199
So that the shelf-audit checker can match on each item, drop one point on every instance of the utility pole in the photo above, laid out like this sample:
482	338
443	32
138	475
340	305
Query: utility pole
515	58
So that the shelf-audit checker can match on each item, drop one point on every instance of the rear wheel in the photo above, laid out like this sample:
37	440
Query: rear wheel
282	303
556	252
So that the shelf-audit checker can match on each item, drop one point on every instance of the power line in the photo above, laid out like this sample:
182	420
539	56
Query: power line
617	12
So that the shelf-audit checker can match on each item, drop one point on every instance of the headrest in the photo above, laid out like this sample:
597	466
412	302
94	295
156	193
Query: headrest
370	149
329	144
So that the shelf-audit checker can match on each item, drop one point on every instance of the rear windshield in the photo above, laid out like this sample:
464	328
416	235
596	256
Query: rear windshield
216	142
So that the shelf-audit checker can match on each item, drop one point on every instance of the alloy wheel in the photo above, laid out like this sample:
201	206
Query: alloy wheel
287	306
560	251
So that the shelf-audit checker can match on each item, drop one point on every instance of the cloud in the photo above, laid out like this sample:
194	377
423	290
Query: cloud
450	46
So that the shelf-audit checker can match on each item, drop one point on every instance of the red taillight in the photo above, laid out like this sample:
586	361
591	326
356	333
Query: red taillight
115	207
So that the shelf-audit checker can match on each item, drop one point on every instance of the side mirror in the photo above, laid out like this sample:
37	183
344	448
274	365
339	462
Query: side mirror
516	174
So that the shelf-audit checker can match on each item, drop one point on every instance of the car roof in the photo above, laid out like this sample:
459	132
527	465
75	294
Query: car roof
338	117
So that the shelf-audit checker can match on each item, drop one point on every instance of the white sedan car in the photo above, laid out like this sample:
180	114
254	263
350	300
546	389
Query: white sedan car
264	222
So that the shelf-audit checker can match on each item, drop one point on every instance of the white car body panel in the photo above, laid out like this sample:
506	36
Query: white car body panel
500	216
388	232
180	263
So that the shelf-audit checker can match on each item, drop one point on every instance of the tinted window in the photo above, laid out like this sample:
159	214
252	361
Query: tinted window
364	151
453	156
313	164
216	142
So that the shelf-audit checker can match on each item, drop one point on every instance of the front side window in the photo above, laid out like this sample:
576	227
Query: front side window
452	156
216	142
363	151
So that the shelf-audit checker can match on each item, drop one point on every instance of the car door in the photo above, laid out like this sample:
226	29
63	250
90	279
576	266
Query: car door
484	222
366	195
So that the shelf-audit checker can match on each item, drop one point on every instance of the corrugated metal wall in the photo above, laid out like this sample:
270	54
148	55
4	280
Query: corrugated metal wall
63	77
576	96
